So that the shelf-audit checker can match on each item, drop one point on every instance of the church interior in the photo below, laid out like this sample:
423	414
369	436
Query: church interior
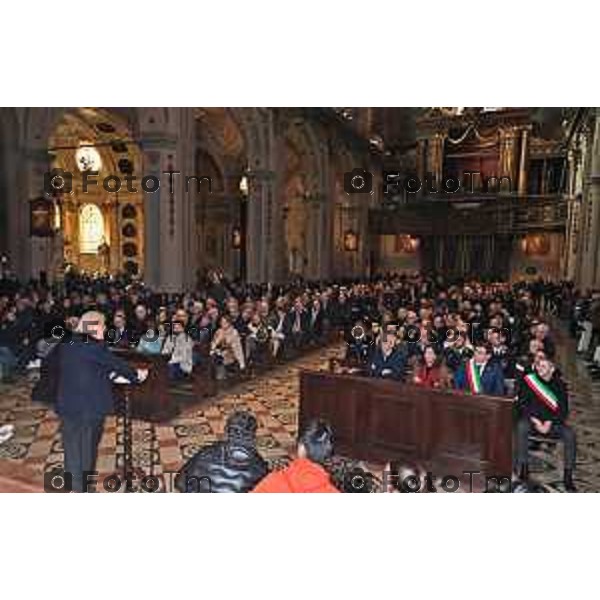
362	293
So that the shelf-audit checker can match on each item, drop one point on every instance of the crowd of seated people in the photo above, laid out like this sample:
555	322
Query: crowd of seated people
467	335
439	335
475	338
227	325
447	335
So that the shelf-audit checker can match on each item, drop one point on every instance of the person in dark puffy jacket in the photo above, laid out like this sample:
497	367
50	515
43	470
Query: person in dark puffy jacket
232	465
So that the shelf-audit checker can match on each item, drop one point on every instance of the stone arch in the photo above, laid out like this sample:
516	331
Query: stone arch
109	136
226	147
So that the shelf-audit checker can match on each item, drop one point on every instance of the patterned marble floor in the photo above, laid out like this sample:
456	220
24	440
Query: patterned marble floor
161	450
273	398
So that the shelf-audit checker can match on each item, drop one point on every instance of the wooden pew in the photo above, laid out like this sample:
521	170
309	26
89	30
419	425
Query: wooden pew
380	420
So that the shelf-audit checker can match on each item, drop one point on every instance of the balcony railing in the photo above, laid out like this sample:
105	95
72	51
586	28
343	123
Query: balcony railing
472	215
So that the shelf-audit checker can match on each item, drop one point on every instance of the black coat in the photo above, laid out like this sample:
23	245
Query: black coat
395	363
46	388
315	322
222	467
85	389
291	321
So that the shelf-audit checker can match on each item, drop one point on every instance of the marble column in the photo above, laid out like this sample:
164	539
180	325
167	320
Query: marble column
324	235
152	160
261	242
589	263
435	159
164	217
10	164
572	215
420	158
594	202
507	159
523	162
38	252
318	239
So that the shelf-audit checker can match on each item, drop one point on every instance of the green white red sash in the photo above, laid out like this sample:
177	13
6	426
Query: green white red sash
473	377
542	391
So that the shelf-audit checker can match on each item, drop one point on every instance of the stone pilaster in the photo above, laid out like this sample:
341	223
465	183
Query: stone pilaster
164	217
261	260
588	256
507	159
324	236
38	253
315	242
420	158
435	158
523	162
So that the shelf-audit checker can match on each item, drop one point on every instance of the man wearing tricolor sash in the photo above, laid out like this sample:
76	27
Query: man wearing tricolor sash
480	374
545	408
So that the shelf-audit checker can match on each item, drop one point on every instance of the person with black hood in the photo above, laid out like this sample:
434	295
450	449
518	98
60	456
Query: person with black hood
231	465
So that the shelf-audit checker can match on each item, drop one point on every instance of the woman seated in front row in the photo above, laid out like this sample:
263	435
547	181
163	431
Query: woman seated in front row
226	350
179	346
430	372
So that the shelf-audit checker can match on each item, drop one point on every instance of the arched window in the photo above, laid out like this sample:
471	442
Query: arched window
91	229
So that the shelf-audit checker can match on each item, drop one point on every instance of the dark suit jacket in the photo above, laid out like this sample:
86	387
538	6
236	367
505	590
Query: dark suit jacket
291	321
84	384
315	322
395	362
273	320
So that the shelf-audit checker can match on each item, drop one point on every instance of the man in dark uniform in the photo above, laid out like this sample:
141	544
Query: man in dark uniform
545	408
84	396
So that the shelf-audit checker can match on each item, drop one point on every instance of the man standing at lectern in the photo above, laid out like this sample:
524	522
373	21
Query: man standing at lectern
87	369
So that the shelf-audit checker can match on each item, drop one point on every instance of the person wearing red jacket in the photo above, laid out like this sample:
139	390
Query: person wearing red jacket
305	474
430	373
